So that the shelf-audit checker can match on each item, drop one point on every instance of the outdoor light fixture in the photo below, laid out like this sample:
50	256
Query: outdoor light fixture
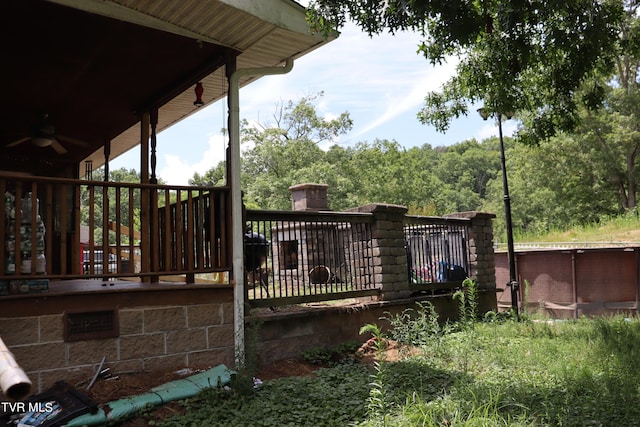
483	113
513	282
199	90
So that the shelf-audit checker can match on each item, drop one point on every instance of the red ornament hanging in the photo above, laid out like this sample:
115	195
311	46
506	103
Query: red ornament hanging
199	90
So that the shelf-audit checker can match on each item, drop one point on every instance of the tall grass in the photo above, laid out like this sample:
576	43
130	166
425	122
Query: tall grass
623	228
581	372
573	373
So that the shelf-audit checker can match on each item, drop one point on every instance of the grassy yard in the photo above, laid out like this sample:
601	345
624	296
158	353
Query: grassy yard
499	373
623	228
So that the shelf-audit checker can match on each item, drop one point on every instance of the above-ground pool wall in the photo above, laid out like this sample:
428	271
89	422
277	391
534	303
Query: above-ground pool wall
568	283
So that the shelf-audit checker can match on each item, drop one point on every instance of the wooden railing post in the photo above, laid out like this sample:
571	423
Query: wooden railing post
145	199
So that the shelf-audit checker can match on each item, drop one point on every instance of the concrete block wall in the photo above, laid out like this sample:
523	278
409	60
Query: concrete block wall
389	254
284	334
151	338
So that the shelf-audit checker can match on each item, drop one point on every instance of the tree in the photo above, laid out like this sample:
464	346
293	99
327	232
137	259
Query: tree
287	151
612	136
118	175
213	177
517	56
465	169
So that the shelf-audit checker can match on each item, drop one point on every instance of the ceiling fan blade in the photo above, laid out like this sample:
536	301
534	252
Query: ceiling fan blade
19	141
57	146
72	140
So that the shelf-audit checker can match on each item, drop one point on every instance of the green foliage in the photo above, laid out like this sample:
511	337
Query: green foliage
377	402
376	332
335	397
569	180
468	302
288	151
568	69
213	177
341	354
418	327
545	373
605	229
524	56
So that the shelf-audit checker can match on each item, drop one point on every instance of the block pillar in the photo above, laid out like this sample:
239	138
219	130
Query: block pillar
389	254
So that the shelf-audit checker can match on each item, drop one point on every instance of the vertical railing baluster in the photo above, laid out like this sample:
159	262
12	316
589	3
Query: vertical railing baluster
4	248
105	229
190	244
132	231
118	228
91	229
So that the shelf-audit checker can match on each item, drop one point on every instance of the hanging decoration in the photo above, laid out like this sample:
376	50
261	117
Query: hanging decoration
199	90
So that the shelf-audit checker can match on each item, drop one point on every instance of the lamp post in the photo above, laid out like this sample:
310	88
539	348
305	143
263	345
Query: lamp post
513	282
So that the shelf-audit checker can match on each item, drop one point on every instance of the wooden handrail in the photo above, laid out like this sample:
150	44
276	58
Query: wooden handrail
110	209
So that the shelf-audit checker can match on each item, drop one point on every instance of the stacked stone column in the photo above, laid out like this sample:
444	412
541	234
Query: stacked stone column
388	249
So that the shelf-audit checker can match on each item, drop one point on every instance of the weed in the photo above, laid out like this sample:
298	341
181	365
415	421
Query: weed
468	302
377	401
556	373
378	340
343	353
420	327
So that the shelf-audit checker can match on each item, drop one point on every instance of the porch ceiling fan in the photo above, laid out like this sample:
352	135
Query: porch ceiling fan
44	135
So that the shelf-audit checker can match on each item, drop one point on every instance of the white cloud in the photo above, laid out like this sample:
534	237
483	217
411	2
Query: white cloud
178	172
408	97
490	129
376	79
380	81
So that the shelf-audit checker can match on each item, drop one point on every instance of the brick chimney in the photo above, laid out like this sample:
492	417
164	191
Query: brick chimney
309	197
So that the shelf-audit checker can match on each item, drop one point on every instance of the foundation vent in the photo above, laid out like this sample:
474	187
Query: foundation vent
90	325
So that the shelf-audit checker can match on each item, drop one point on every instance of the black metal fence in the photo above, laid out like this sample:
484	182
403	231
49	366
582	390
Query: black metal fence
437	252
296	257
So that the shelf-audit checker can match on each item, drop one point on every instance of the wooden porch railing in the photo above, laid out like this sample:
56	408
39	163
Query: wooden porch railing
171	230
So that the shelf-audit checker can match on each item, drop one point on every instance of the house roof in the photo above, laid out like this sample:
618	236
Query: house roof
87	69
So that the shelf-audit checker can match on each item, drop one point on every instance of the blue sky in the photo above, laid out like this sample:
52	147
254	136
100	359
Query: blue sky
380	81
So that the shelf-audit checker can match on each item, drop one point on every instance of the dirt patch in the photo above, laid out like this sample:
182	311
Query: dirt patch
287	368
117	386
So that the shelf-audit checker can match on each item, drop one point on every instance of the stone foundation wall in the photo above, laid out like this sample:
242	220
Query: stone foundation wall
151	338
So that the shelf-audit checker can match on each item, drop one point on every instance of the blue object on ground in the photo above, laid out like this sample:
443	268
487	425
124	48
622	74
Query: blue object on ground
174	390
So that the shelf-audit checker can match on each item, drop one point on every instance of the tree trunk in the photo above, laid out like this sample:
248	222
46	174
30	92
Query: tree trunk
632	184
